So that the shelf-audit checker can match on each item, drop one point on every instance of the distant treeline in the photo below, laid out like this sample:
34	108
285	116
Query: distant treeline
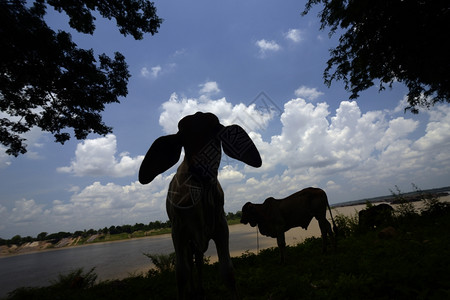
56	237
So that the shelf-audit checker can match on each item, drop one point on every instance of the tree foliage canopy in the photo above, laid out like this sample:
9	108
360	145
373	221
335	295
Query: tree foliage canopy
46	81
388	41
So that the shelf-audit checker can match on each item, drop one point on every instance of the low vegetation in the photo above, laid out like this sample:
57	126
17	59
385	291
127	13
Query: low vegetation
410	261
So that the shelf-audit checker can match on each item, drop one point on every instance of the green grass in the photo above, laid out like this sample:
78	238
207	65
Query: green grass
234	221
412	264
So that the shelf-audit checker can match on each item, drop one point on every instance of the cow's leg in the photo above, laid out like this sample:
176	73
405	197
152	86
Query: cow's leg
281	242
183	274
199	265
223	252
325	229
183	266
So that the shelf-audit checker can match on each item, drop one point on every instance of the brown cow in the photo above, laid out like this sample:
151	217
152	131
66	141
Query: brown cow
195	199
274	217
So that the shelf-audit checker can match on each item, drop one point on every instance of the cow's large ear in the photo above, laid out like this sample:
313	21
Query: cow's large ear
163	154
237	144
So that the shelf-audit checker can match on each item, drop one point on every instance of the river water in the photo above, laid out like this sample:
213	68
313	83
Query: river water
111	260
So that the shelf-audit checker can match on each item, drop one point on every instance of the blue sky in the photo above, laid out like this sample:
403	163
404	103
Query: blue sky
254	63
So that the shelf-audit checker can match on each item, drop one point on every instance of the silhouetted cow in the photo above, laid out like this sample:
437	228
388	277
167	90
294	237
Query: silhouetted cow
274	217
195	199
375	216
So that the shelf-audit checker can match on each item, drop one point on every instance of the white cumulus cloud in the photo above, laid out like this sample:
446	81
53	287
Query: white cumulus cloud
249	117
26	211
98	204
230	174
5	159
294	35
266	47
95	206
145	72
153	72
308	93
210	87
97	157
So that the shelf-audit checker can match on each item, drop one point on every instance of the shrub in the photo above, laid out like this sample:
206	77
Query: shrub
347	225
75	280
433	207
405	207
162	262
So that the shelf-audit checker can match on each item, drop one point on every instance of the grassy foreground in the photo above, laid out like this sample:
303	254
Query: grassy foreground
412	261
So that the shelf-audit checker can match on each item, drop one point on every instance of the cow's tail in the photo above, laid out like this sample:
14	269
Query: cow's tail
335	228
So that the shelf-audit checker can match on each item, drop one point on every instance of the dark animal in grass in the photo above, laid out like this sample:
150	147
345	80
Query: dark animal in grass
375	216
276	216
195	198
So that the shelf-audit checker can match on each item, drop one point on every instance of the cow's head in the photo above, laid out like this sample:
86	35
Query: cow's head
249	214
203	138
